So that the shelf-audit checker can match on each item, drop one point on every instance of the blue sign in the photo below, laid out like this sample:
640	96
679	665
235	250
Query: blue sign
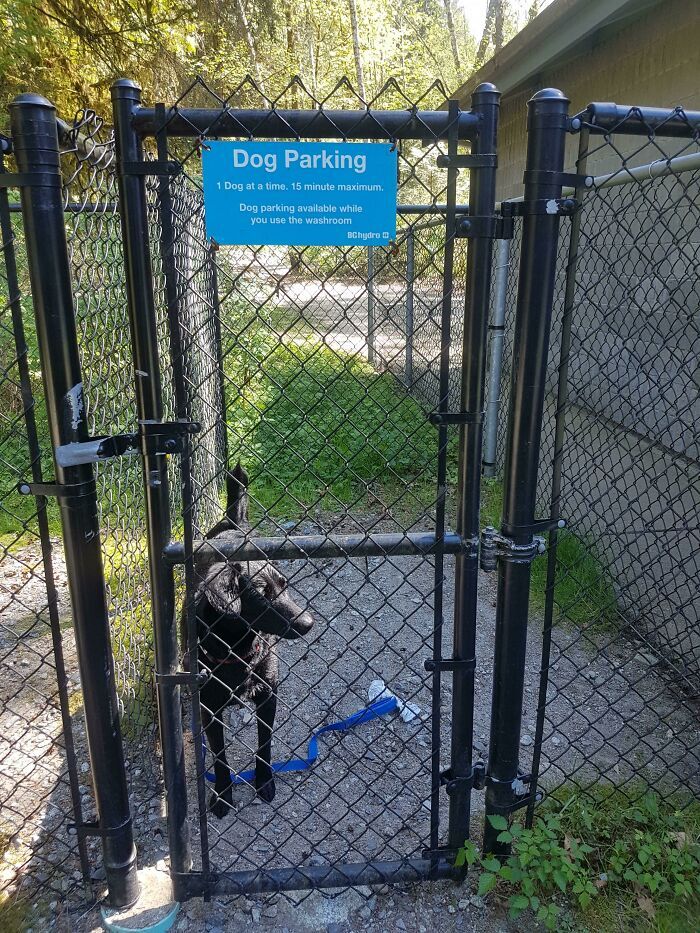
300	194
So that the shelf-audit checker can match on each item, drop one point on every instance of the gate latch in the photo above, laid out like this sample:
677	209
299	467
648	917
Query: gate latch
495	547
161	437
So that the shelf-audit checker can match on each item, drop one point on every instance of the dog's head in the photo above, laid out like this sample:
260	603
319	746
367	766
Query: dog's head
253	593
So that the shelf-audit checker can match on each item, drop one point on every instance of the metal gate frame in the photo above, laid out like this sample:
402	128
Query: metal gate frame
133	123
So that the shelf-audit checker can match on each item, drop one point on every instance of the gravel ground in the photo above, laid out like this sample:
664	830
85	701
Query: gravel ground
366	797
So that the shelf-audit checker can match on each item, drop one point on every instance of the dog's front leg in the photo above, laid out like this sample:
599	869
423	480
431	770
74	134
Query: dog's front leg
221	802
266	704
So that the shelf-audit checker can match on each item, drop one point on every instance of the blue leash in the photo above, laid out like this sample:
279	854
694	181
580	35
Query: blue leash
373	711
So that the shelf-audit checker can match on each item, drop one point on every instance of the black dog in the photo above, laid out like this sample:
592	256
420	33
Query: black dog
243	609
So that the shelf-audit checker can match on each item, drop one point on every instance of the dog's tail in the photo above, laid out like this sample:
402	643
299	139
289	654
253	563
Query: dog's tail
237	496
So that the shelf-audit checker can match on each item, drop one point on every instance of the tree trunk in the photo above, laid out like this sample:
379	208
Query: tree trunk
250	42
453	37
493	29
356	50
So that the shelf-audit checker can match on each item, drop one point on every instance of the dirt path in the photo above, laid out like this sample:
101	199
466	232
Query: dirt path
366	796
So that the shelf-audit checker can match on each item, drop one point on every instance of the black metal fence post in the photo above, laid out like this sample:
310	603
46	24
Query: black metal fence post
370	305
35	137
126	96
482	204
410	293
547	126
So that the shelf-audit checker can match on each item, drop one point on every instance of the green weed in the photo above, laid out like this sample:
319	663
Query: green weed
619	864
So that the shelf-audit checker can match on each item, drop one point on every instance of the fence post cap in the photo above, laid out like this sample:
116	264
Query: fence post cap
35	99
548	93
126	87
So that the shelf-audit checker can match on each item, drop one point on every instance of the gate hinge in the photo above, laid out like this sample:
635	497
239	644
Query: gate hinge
495	547
564	207
27	179
58	490
449	664
186	678
171	167
487	226
482	160
161	437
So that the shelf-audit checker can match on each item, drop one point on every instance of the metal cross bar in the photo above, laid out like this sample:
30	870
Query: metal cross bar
307	124
304	547
194	884
639	121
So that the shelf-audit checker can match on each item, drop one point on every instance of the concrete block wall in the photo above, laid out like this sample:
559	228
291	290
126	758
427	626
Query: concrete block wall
630	470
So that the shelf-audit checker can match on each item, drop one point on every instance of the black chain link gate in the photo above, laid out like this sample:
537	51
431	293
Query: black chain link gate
274	355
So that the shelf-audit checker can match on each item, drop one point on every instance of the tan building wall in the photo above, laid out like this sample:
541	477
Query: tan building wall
655	62
630	465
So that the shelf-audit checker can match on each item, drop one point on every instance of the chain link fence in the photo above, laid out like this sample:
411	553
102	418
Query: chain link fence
616	711
314	367
310	339
42	788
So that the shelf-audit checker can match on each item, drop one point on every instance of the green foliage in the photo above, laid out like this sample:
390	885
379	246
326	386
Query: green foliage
316	425
588	851
71	50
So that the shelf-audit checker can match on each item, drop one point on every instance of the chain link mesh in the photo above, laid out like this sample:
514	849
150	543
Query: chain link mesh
39	683
332	443
618	697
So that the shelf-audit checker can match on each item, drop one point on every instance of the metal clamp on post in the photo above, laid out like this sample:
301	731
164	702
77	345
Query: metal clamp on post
539	524
184	678
94	829
29	179
482	160
476	779
490	227
495	547
521	788
565	179
165	437
441	852
563	207
58	490
449	664
456	417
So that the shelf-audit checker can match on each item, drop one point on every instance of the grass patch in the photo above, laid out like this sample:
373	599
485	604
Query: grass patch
16	916
619	863
315	426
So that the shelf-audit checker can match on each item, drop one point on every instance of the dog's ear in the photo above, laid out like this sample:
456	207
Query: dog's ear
221	589
237	496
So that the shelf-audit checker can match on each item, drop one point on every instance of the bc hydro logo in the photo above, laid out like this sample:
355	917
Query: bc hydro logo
300	194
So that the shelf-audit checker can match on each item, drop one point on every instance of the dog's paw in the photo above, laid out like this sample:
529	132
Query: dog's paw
221	806
265	788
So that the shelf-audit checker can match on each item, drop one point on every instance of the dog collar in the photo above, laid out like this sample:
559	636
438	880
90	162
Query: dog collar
227	660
